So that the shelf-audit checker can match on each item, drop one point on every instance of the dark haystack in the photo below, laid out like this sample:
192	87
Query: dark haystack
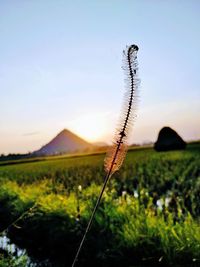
168	139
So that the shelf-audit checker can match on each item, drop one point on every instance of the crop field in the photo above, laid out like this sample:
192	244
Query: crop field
149	214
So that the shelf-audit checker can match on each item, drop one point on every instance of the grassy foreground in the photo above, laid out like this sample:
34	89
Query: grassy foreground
149	214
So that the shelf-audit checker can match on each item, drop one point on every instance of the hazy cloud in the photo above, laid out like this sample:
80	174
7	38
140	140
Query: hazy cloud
30	134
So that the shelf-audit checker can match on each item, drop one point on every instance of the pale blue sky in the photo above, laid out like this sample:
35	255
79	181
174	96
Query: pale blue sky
60	67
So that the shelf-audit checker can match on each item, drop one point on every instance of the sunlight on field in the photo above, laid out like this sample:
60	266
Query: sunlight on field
150	208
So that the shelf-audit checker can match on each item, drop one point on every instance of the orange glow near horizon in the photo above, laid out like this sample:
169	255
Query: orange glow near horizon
91	127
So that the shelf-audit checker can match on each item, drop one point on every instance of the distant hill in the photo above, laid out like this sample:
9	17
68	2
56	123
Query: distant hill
64	142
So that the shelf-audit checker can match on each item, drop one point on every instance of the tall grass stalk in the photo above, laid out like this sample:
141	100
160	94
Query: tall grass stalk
116	155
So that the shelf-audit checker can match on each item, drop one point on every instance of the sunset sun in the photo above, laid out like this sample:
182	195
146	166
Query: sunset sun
91	127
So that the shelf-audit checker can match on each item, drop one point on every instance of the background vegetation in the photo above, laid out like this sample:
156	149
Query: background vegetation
149	214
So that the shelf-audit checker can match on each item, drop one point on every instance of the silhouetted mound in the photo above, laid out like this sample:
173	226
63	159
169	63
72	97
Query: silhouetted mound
168	139
64	142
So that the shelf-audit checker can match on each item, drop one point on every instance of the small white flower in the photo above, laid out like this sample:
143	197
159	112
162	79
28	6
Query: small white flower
79	188
124	193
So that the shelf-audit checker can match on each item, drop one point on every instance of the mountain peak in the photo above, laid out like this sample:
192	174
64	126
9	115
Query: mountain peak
64	132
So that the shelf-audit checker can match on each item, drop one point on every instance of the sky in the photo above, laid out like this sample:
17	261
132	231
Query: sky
60	67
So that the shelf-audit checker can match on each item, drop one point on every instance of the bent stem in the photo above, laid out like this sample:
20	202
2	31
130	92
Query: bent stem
115	159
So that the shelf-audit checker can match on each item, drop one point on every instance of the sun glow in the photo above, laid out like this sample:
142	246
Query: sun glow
91	127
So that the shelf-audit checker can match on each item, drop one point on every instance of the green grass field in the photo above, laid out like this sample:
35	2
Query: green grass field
149	215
